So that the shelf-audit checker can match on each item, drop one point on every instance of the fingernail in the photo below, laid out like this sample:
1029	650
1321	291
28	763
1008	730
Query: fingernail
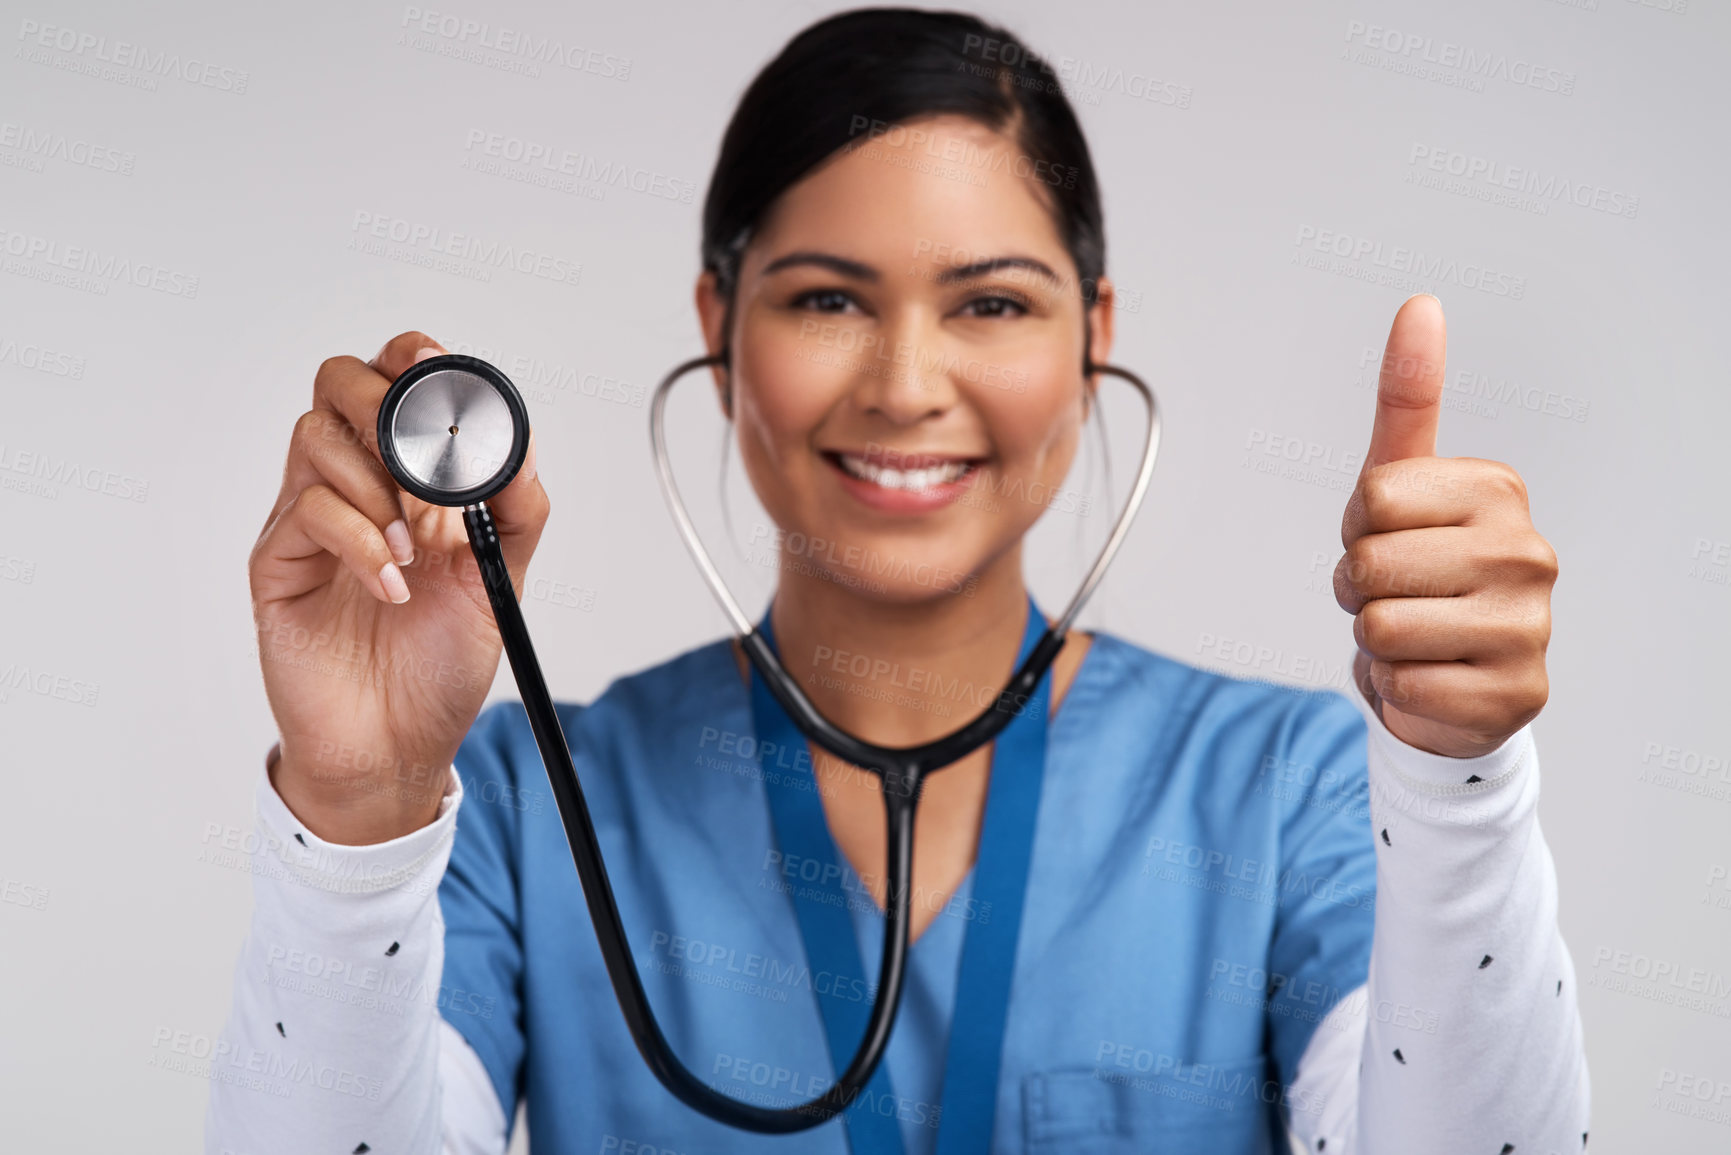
429	351
395	587
529	467
401	542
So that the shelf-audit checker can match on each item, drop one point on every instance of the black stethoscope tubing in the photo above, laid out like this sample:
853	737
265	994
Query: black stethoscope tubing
902	770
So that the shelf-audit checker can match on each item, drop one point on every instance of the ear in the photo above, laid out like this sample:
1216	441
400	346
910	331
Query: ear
712	316
1100	317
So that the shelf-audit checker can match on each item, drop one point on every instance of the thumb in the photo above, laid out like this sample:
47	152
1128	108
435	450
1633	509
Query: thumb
1409	389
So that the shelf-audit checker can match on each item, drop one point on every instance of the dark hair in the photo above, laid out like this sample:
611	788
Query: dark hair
856	74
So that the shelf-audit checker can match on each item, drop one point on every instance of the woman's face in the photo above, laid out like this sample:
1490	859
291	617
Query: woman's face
906	349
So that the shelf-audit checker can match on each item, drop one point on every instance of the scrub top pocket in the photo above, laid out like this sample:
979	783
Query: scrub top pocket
1197	1109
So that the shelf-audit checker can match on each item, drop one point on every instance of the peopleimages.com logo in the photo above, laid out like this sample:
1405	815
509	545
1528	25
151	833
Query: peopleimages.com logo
1478	65
1368	259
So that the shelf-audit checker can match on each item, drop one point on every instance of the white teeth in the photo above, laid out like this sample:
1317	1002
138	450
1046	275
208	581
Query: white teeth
915	479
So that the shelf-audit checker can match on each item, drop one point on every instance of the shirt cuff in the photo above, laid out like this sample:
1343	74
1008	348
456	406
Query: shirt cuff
341	869
1438	774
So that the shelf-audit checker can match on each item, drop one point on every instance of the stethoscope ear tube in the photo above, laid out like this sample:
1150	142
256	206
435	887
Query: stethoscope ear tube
901	769
604	910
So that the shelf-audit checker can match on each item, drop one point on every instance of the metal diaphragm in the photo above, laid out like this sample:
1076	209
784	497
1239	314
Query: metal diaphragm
453	430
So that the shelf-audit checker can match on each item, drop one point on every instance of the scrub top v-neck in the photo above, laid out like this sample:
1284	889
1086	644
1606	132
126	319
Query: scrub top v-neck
1119	1034
967	1083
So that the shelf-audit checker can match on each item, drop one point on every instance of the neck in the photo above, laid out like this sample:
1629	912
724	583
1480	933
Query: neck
901	673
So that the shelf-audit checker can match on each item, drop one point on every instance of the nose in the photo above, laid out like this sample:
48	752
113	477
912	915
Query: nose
906	379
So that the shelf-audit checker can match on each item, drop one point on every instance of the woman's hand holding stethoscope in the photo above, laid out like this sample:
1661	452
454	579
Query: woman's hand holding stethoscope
374	689
388	694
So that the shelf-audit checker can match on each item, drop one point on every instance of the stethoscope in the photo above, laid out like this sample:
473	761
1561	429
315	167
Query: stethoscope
453	432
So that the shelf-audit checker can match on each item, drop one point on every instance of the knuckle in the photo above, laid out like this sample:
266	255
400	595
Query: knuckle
308	425
1482	721
1346	595
1529	561
1393	682
333	367
1519	704
1352	518
1518	701
1539	627
1512	481
1378	496
1546	559
325	437
1537	694
1499	482
1366	560
316	501
1539	559
314	429
1377	626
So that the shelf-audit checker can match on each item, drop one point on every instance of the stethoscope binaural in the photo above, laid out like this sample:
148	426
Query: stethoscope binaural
453	431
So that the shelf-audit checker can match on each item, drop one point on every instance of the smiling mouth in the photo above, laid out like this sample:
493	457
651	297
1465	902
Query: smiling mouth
911	472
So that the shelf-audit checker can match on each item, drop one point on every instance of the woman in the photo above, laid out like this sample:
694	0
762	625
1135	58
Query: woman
904	267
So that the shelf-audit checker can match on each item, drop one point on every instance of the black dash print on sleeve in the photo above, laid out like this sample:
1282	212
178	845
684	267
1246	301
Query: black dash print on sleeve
1470	781
392	949
362	1149
1484	962
1398	1057
280	1031
301	840
1583	1140
1507	1147
1559	988
1322	1144
1385	840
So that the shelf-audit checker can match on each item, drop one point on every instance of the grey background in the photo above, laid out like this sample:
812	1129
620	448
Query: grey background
122	915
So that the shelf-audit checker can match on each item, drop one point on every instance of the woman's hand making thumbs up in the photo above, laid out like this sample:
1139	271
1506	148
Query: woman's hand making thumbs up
1448	581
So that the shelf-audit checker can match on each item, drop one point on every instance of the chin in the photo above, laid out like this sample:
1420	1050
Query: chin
899	569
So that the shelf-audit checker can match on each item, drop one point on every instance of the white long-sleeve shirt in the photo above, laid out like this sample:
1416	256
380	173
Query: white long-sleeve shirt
1469	980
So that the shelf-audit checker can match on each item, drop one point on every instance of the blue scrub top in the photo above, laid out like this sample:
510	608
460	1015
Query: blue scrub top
1201	893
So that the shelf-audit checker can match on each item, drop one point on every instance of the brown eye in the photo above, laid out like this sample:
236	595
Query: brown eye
823	301
995	306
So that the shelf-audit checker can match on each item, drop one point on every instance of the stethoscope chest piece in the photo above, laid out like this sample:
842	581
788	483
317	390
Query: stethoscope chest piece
453	430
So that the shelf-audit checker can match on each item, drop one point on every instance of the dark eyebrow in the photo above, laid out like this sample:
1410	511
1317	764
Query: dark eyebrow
828	261
992	265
